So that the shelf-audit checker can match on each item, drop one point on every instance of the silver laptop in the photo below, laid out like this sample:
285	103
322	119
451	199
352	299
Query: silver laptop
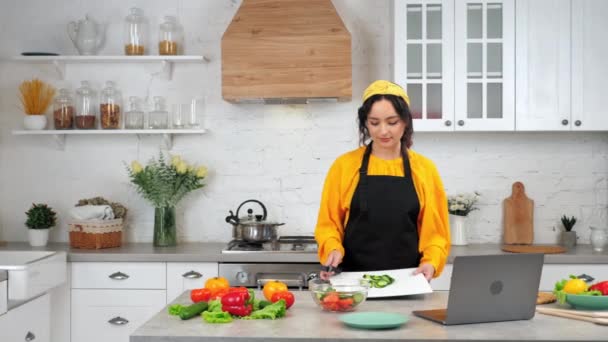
490	288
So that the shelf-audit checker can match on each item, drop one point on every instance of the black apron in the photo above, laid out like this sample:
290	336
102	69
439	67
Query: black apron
382	230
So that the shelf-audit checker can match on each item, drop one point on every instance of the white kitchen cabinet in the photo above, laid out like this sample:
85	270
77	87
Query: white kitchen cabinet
187	276
119	275
589	66
553	273
112	315
28	322
543	65
424	60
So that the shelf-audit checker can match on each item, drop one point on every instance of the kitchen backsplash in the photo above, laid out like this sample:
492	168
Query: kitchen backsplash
278	154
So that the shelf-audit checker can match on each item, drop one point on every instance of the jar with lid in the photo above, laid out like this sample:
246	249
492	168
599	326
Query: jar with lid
110	105
63	110
86	104
169	40
159	117
134	118
136	29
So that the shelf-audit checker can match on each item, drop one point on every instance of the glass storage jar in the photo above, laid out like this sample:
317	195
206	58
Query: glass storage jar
134	118
159	117
85	106
63	110
169	40
136	32
110	106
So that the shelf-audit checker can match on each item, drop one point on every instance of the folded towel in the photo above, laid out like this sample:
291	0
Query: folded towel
92	212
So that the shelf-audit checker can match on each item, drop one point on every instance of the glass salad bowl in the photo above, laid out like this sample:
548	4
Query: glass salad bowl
341	296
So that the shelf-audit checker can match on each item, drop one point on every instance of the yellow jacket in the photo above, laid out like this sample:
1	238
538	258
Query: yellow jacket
340	185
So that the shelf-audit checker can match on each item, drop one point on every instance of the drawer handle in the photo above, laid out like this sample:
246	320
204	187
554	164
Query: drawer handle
192	275
118	321
118	276
30	336
577	123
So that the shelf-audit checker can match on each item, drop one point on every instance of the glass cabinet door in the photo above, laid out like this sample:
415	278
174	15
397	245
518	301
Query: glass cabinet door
484	65
424	60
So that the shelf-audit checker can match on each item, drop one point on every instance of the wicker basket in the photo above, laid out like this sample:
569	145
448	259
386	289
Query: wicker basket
96	234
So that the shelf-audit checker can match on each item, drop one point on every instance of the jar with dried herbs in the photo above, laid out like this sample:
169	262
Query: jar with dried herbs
110	106
63	110
136	32
86	106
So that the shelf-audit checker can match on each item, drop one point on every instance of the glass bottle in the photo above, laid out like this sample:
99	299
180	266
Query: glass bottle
136	32
159	117
85	106
134	118
169	37
63	110
110	106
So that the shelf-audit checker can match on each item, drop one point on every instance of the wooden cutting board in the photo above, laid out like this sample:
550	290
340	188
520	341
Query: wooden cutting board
518	217
544	249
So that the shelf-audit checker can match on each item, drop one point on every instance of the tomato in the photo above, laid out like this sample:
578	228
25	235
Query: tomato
331	297
273	286
286	295
217	283
601	286
346	303
575	286
200	295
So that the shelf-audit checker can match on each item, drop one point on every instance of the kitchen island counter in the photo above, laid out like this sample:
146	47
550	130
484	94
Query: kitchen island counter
212	252
306	322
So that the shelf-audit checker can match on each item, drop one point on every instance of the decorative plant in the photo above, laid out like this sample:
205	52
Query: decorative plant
164	184
35	96
120	211
568	222
462	204
40	216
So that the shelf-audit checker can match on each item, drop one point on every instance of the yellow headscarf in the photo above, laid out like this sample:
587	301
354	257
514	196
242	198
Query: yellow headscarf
382	87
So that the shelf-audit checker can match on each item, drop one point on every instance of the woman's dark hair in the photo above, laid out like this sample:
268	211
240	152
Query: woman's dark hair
402	109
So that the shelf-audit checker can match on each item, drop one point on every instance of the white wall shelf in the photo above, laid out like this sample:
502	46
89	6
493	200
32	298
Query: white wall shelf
59	135
165	62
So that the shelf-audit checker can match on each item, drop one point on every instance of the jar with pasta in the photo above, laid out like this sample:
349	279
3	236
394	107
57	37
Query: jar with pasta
110	106
169	37
86	106
63	110
136	30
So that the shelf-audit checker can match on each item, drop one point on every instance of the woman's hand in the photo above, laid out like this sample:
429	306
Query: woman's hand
333	259
427	270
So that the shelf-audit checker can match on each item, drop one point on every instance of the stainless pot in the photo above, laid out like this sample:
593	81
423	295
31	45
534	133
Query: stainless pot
252	228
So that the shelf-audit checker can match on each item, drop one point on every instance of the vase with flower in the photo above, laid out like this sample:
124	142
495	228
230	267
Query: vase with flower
459	207
164	184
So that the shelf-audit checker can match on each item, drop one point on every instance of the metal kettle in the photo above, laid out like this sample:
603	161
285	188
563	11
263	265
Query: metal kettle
252	228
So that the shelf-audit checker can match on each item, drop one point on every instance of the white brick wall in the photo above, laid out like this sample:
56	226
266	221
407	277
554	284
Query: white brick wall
277	154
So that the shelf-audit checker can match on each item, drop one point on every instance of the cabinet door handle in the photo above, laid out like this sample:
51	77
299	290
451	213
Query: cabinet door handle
192	275
118	321
118	276
448	123
577	122
30	336
565	122
460	122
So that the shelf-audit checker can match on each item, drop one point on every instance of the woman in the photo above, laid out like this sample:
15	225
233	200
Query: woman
383	205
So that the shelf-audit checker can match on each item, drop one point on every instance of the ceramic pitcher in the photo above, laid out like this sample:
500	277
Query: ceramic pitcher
87	35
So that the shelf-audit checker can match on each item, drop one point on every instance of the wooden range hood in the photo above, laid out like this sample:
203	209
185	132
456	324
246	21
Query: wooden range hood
286	51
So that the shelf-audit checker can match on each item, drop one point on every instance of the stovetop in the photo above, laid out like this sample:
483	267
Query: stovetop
285	244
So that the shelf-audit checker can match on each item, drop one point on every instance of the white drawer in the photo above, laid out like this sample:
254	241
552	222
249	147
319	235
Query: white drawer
186	276
93	312
118	275
28	322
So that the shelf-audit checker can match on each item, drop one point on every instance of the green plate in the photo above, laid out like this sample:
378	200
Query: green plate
588	302
373	320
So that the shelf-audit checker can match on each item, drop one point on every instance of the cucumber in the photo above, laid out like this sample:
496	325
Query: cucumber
358	298
381	283
264	303
193	310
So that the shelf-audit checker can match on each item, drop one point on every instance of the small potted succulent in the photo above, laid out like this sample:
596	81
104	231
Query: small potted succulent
568	236
40	218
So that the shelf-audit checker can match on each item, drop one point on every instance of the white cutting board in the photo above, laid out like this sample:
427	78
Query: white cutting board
405	282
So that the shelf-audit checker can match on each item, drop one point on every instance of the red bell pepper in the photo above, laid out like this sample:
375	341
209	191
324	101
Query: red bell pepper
243	310
200	295
601	286
235	298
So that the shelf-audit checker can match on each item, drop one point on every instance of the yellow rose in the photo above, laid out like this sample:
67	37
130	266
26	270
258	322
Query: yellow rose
136	167
175	160
182	167
201	172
